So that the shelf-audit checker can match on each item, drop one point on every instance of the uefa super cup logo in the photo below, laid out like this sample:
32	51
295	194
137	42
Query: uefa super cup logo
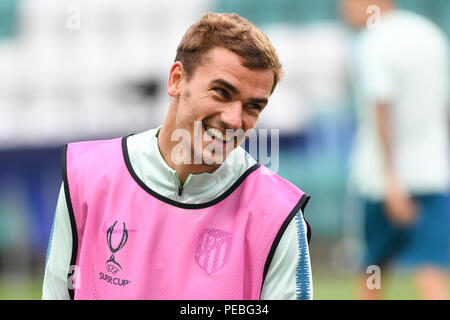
112	265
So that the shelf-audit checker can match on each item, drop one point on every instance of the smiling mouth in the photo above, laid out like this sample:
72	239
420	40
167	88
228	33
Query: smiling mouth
217	135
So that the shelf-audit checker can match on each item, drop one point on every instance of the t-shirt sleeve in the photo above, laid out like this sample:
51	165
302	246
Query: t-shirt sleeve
57	263
378	74
289	275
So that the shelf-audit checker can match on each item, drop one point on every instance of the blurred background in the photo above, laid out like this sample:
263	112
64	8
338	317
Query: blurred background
92	69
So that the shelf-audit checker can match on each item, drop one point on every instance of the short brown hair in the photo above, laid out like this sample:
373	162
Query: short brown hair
231	32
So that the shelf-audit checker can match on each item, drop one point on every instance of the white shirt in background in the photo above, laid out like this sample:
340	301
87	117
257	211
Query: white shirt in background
404	63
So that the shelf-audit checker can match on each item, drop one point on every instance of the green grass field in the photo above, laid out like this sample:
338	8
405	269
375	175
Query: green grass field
20	290
327	286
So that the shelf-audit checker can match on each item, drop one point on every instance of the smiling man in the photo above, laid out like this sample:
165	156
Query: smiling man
211	99
182	211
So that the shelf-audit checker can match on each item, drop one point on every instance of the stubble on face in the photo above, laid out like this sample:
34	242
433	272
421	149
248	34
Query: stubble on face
191	124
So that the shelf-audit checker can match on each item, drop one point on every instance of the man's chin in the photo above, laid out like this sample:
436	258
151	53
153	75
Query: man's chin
213	154
213	159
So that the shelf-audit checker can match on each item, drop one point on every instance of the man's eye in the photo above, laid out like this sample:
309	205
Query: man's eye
254	106
224	93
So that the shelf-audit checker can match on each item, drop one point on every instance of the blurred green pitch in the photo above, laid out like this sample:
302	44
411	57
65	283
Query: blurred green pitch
327	286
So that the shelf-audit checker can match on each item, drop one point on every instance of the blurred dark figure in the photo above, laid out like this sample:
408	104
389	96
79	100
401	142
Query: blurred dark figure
400	162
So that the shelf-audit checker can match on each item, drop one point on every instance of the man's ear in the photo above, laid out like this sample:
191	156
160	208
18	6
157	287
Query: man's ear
175	79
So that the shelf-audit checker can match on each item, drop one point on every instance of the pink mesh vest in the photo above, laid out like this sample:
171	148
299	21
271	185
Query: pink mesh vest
131	243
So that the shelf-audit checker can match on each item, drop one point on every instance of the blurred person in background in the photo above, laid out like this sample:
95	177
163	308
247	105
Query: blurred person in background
400	164
135	220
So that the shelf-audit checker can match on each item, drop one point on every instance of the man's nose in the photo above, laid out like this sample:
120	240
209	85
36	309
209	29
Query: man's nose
232	115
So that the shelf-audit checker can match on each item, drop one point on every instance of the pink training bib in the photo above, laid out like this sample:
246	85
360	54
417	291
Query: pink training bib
132	243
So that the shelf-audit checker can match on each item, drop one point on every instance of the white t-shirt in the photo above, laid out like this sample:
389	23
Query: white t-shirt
403	63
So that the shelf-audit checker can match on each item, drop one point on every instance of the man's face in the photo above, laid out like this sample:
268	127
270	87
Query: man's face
220	101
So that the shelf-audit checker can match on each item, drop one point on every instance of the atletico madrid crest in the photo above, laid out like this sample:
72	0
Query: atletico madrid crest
213	249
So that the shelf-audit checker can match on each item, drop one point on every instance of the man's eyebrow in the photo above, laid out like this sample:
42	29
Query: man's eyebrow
258	100
227	85
234	90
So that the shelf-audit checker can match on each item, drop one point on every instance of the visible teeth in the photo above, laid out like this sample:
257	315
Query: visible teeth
217	134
